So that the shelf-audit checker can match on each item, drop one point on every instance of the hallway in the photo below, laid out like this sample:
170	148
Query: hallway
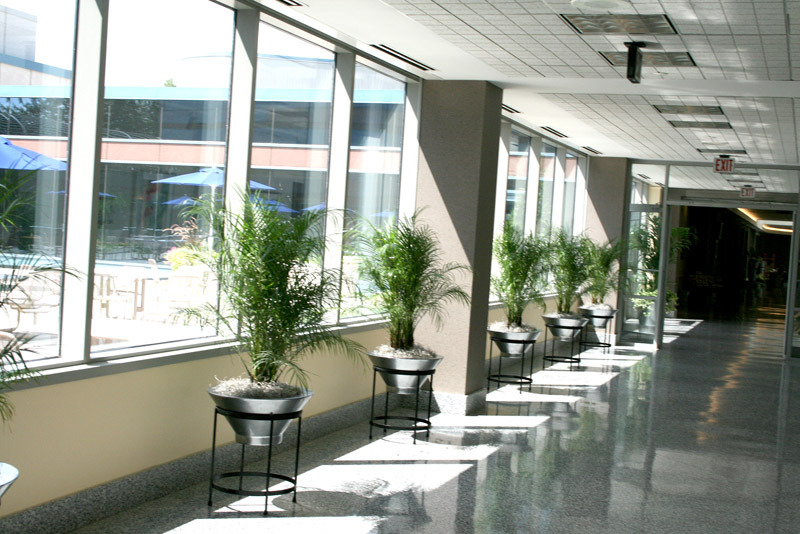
695	438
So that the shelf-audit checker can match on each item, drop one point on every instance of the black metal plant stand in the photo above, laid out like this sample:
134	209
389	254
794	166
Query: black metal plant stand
573	357
418	422
499	377
266	475
604	344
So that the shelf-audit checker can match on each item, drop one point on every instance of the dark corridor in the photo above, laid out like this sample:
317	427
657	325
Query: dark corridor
731	266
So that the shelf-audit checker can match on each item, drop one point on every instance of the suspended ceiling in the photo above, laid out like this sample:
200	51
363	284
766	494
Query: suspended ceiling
553	64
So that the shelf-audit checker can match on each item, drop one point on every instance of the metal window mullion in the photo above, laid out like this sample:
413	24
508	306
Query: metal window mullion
558	188
663	260
501	191
532	196
579	206
242	95
84	177
410	150
339	159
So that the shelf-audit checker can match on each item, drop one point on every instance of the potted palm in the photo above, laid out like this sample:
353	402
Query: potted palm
26	275
273	298
603	278
407	282
521	278
569	262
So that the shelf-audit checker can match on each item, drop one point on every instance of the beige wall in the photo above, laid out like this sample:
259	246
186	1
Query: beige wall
69	437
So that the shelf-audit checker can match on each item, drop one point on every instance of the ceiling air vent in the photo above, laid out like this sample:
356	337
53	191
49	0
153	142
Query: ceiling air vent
509	109
292	3
652	59
644	177
708	125
402	57
735	151
628	24
590	149
553	131
688	110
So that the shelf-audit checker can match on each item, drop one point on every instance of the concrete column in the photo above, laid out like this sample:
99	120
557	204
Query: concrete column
605	198
457	182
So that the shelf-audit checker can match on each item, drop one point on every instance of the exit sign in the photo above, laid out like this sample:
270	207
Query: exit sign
747	192
724	165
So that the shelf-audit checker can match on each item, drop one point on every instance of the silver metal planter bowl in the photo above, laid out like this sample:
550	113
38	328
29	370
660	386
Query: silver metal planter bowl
8	474
405	384
254	432
597	316
513	349
564	328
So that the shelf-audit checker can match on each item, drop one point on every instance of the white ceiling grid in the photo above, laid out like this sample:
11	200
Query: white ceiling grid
734	40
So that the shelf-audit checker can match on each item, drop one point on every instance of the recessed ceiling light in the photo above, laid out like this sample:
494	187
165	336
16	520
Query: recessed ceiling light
738	151
673	109
626	24
600	5
652	59
713	125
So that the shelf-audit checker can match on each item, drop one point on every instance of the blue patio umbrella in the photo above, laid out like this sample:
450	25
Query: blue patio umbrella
209	176
315	207
64	192
18	158
272	204
184	200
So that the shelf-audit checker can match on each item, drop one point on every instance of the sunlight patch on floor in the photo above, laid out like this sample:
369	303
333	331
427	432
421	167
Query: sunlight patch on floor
398	447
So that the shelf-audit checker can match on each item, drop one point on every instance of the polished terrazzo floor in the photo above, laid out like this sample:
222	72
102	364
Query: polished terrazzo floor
703	436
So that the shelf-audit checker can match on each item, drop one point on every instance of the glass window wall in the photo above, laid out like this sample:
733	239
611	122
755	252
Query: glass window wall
167	91
37	44
547	173
570	179
516	191
373	181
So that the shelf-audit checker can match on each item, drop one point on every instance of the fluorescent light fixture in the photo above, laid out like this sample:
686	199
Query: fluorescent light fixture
708	125
625	24
749	214
778	229
600	5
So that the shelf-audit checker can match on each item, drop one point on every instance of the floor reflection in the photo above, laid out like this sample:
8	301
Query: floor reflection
702	436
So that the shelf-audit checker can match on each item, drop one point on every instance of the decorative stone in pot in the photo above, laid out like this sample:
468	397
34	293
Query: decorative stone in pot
256	432
500	332
416	359
565	327
598	314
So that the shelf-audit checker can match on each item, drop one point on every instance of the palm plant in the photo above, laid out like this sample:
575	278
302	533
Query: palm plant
402	263
522	260
603	276
274	293
569	260
20	274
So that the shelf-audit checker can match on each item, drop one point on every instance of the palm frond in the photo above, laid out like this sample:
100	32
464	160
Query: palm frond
522	262
274	292
402	263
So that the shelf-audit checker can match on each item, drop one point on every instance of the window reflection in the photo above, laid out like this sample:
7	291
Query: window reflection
373	182
516	192
570	177
36	41
547	171
165	122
